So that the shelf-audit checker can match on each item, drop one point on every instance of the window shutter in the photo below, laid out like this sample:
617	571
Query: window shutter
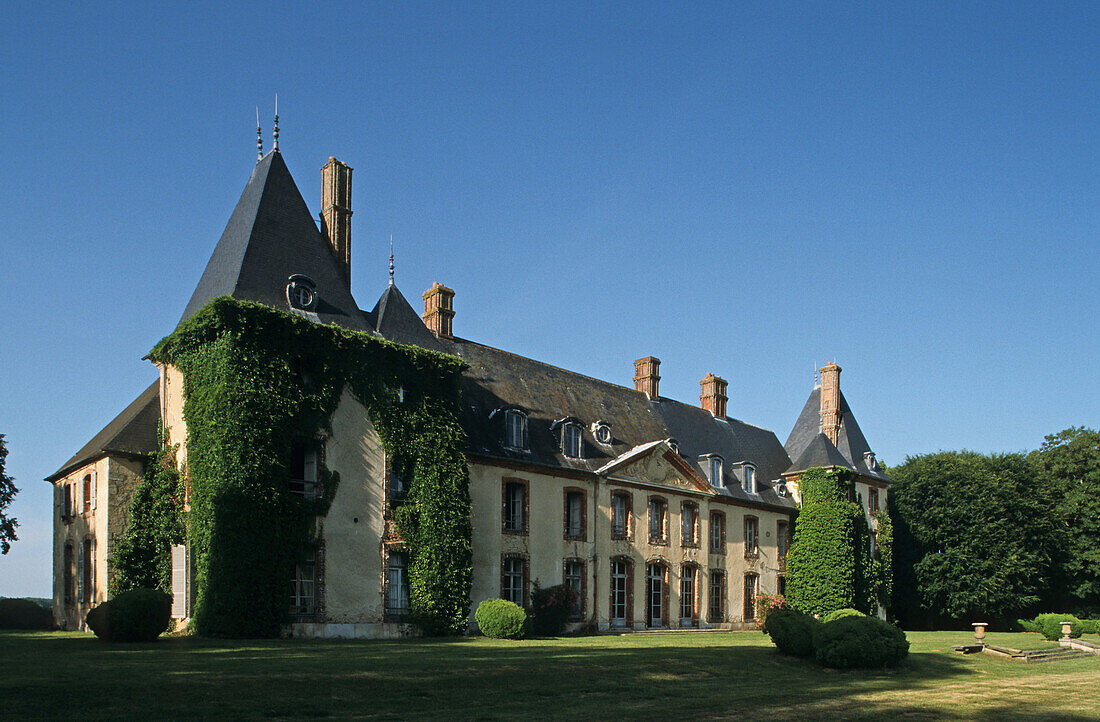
179	581
95	488
80	575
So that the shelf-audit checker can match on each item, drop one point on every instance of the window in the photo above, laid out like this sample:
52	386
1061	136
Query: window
515	429
573	577
513	579
621	503
303	585
714	470
656	589
658	521
303	468
751	586
749	481
717	532
781	585
602	432
89	492
571	440
872	501
688	578
70	573
396	488
66	501
752	534
620	592
397	585
689	524
782	539
301	292
717	597
87	563
515	507
575	514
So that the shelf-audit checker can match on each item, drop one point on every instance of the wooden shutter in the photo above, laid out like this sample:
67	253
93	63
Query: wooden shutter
179	581
80	575
94	489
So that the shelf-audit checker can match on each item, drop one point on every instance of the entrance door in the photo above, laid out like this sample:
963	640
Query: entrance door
618	594
655	594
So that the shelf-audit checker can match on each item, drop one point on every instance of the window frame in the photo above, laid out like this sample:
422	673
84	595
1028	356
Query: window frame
521	420
571	430
88	491
578	612
749	610
752	522
662	521
716	470
872	501
627	525
507	522
87	571
689	510
298	578
716	603
628	592
748	479
717	532
581	533
782	539
306	488
508	562
689	569
397	613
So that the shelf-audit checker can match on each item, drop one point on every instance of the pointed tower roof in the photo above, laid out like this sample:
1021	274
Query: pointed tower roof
395	319
271	236
806	449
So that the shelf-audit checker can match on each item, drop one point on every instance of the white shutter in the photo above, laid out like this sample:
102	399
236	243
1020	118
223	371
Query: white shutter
80	575
95	488
179	582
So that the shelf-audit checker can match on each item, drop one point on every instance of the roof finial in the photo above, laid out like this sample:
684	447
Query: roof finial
259	136
276	122
391	259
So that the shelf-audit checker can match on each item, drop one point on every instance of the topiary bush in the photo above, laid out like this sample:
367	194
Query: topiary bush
841	614
1028	625
139	615
501	619
25	614
1050	626
851	642
550	609
792	632
1090	626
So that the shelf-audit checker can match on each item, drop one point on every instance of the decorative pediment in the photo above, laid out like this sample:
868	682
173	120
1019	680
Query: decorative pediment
656	463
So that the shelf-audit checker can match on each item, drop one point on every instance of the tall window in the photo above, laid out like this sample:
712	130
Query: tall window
658	521
620	514
752	534
515	429
689	524
88	572
303	585
571	440
70	574
66	501
575	514
751	588
574	577
656	583
717	596
782	539
513	580
781	585
688	578
89	493
872	500
717	532
397	585
749	483
715	468
514	513
620	592
303	468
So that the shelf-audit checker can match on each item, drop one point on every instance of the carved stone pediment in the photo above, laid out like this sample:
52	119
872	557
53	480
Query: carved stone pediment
653	469
656	463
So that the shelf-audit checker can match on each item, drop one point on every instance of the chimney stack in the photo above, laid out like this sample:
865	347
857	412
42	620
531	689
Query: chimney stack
712	395
646	377
336	212
439	310
830	401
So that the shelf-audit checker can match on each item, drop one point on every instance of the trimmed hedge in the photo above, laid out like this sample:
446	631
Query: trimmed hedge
791	631
1090	626
851	642
501	619
25	614
841	614
139	615
1050	626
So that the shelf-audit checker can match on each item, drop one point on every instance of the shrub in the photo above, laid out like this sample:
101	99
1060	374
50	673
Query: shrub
550	609
768	603
139	615
841	614
859	642
1050	625
24	614
501	619
792	632
1090	626
1028	625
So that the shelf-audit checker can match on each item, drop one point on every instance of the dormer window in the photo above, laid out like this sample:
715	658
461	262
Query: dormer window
602	432
571	440
713	465
515	429
674	445
748	481
869	458
301	292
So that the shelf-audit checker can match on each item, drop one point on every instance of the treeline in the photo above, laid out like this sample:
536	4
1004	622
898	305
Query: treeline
996	537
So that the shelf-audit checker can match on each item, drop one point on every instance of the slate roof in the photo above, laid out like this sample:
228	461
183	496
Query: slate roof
270	236
809	447
131	433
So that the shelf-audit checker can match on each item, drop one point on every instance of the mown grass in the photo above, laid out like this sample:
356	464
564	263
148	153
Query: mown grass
738	675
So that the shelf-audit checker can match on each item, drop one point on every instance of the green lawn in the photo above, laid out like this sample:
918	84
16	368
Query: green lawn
739	674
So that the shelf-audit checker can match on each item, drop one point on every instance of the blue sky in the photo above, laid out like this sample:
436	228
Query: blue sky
745	189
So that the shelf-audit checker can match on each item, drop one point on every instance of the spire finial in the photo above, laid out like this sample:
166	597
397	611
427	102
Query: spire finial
391	259
276	122
259	136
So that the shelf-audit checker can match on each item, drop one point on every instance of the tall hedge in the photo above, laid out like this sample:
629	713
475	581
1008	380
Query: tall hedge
256	379
884	560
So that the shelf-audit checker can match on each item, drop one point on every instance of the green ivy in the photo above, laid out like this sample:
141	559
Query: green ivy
142	558
884	560
255	379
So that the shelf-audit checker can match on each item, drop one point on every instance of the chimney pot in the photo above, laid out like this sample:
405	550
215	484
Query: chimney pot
712	395
830	401
439	310
336	212
646	378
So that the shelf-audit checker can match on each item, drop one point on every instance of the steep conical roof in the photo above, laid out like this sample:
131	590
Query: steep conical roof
851	444
271	236
396	321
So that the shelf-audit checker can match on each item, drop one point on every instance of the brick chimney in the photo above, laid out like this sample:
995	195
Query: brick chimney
336	212
646	377
439	310
712	395
830	401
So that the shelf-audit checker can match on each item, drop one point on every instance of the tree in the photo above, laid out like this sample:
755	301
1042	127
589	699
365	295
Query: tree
7	493
975	537
1070	463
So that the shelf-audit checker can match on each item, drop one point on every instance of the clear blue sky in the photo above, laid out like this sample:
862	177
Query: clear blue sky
750	190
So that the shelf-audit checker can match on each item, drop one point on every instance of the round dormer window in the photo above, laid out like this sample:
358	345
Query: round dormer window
602	432
301	292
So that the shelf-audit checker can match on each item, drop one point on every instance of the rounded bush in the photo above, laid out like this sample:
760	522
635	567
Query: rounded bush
1090	626
501	619
792	632
1050	626
139	615
861	641
841	614
25	614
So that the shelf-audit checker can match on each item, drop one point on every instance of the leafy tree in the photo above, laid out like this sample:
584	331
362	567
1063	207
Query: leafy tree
975	537
7	493
1070	463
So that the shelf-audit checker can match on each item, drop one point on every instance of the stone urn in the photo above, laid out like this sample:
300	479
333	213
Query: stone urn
979	631
1067	628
